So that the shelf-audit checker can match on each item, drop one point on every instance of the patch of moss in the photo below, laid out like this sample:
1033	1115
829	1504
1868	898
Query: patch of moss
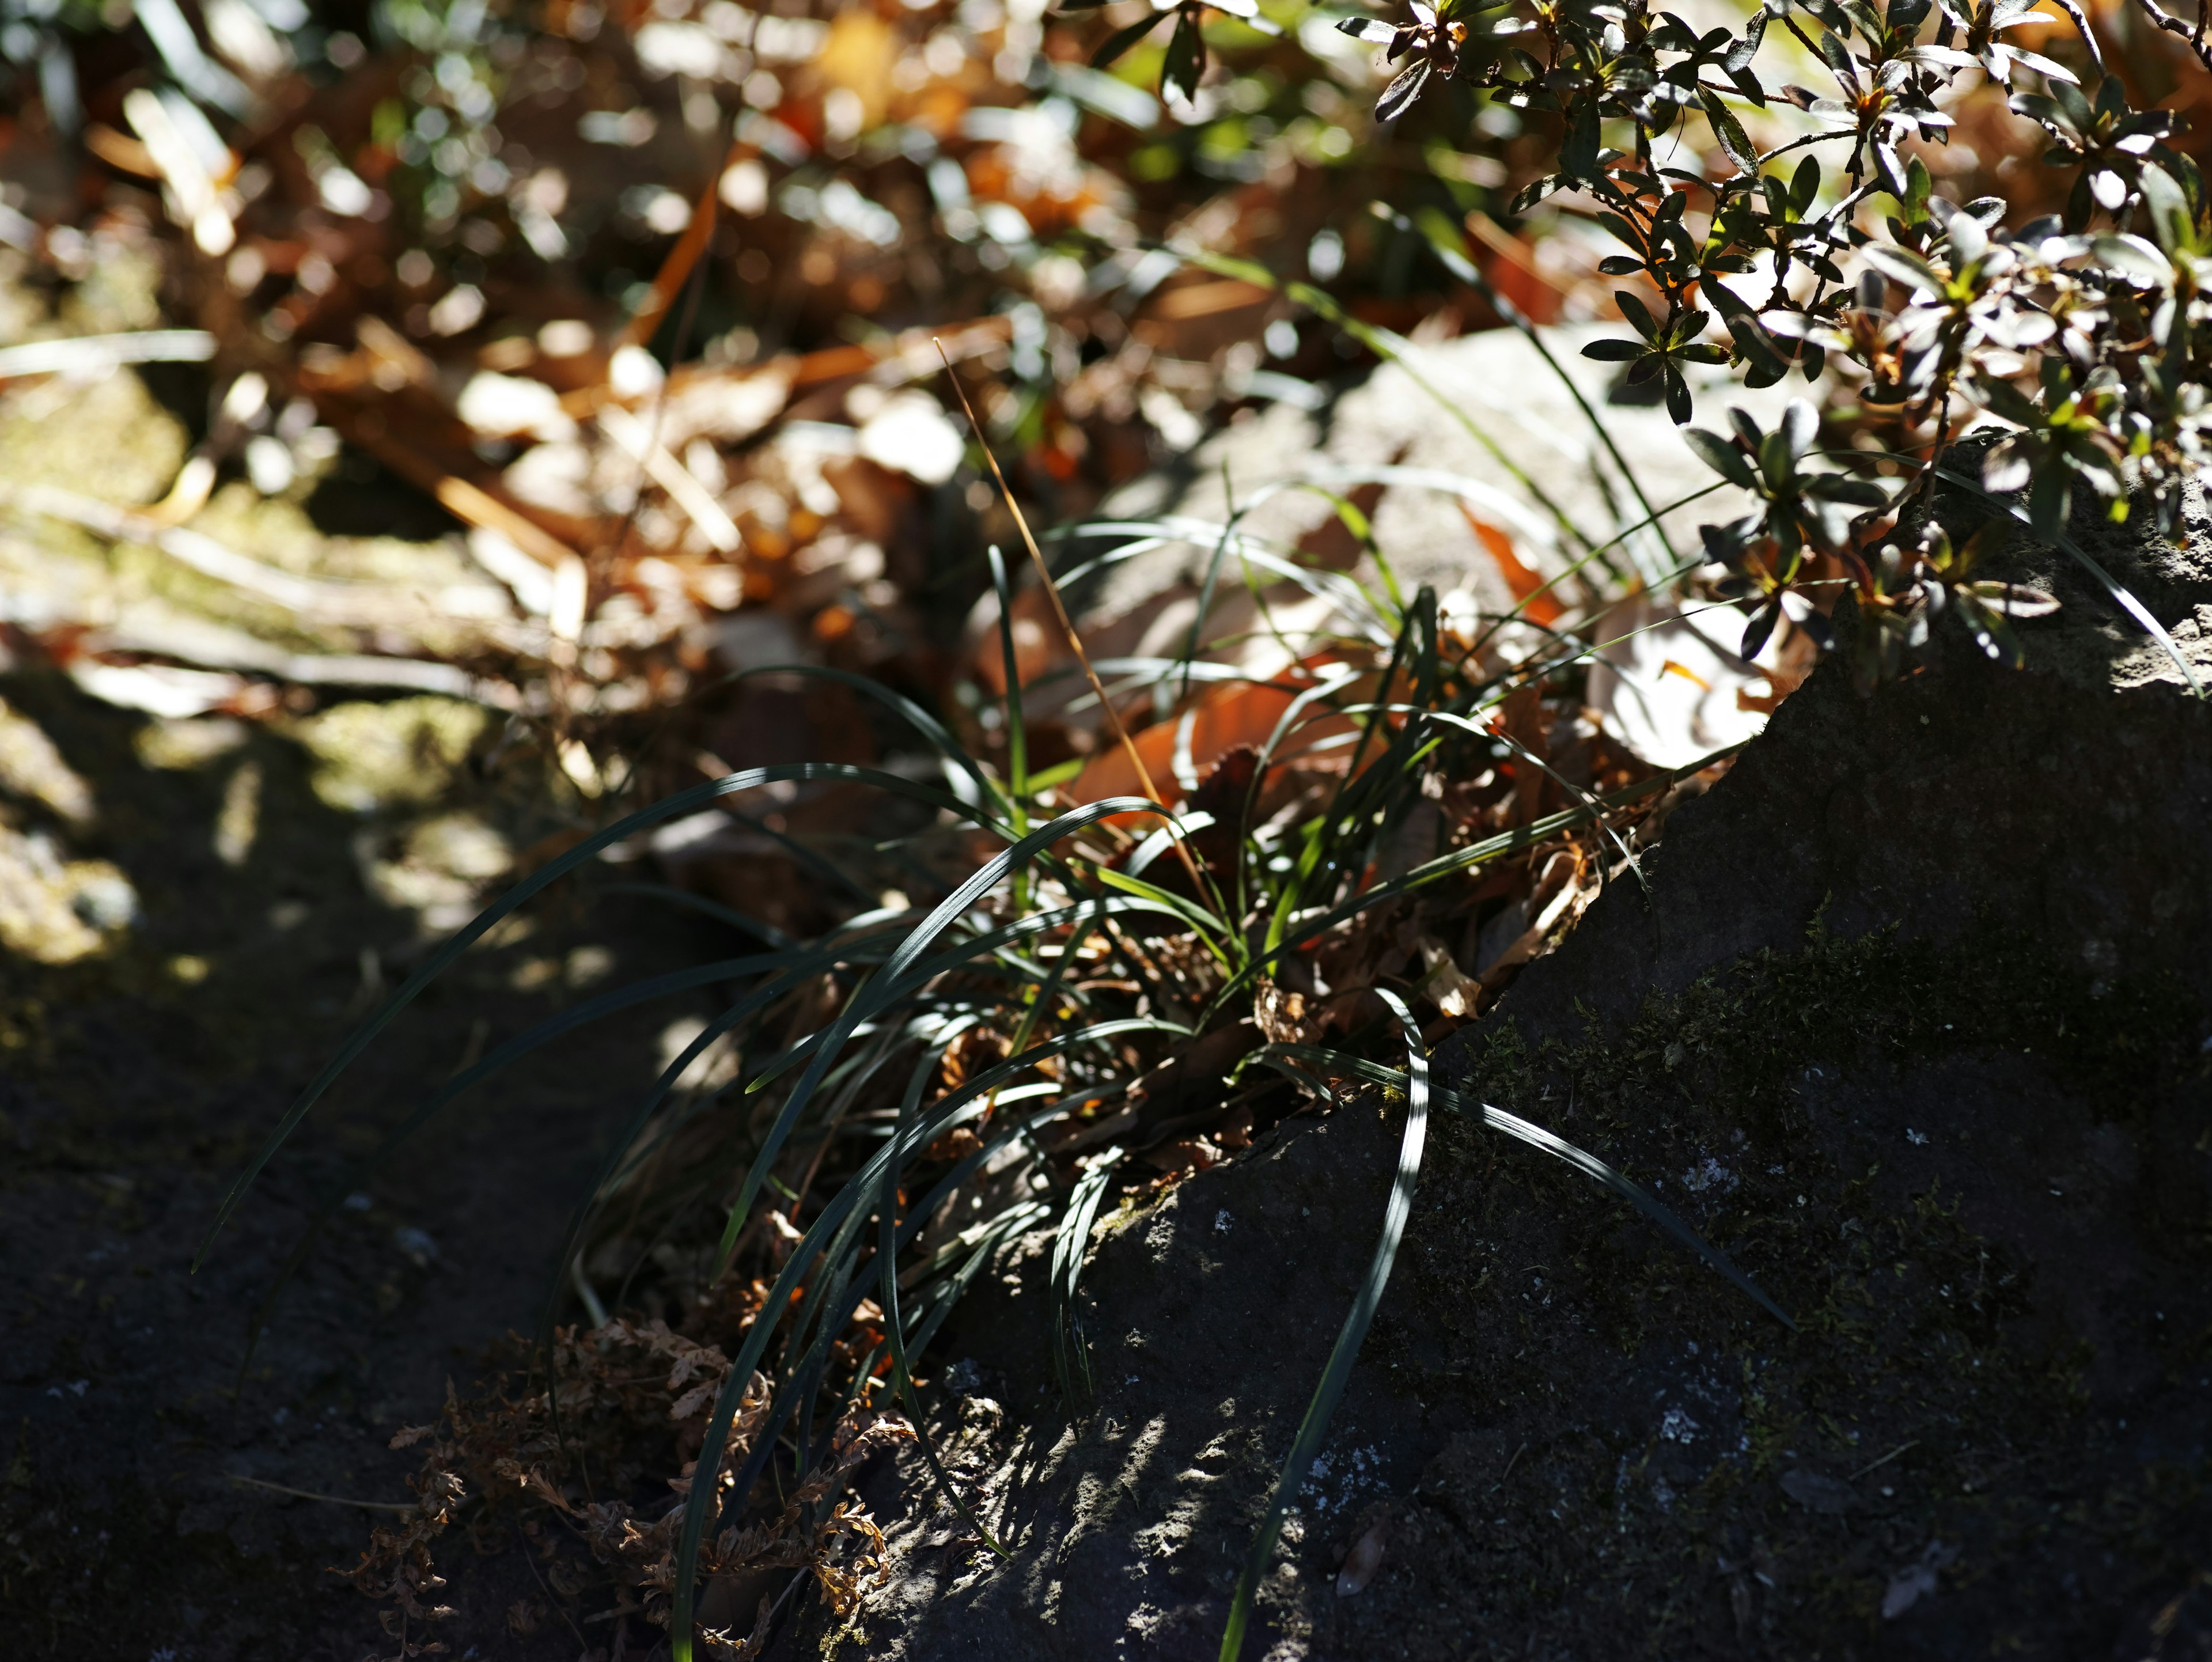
370	755
1934	1374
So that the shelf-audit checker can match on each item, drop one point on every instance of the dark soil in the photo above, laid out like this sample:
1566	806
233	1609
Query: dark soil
130	1096
1913	1025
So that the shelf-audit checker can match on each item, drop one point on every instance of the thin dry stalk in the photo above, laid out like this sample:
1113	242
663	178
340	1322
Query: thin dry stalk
1067	623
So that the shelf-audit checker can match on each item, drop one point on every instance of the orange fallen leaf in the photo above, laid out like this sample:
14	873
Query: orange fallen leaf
1220	718
1537	604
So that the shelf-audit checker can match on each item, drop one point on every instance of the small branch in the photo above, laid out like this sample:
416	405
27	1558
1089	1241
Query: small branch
1068	625
2160	18
1809	138
2072	10
328	1500
1885	1459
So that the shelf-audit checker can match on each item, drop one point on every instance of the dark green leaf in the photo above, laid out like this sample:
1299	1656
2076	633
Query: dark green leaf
1578	155
1735	142
1740	53
1398	97
1758	628
1535	191
1118	43
1805	184
1723	458
1185	63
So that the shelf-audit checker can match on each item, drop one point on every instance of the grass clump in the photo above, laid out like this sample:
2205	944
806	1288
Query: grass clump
1107	992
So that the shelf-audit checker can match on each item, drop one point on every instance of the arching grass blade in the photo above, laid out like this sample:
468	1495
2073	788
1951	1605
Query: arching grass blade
1315	1427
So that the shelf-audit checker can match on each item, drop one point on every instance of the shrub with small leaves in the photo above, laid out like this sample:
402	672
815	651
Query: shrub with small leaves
2084	334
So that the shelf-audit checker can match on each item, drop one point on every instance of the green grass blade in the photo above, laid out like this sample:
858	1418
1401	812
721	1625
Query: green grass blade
888	1290
1467	272
1071	1354
1192	642
1538	1138
2121	596
804	1252
1429	871
1017	742
1392	348
1580	794
1205	924
1315	1427
767	933
581	1218
1350	597
939	735
892	980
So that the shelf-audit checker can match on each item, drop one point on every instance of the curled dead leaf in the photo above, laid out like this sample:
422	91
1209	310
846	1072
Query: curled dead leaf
1364	1560
1448	988
1810	1489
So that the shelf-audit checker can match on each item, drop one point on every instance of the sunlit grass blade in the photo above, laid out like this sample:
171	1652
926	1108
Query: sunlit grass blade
960	1103
1070	1352
1350	598
1051	588
1313	1428
1394	349
1581	793
1351	790
1537	1137
1017	763
2121	595
889	982
1442	239
1206	924
1193	643
887	1294
1559	1147
1475	853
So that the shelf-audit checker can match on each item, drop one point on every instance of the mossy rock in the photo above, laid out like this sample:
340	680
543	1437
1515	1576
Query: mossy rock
1912	1023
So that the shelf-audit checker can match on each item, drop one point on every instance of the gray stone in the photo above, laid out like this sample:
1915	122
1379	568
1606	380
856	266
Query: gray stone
1418	416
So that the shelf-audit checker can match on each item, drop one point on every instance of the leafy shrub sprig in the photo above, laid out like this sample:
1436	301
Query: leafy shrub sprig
2085	333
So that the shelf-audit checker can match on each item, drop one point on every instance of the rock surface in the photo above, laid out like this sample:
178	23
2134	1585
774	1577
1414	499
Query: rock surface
1440	414
1914	1025
153	1502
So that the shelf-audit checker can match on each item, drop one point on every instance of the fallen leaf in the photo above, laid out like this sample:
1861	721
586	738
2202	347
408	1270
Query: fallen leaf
1911	1584
1364	1560
1809	1488
1538	606
1670	685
